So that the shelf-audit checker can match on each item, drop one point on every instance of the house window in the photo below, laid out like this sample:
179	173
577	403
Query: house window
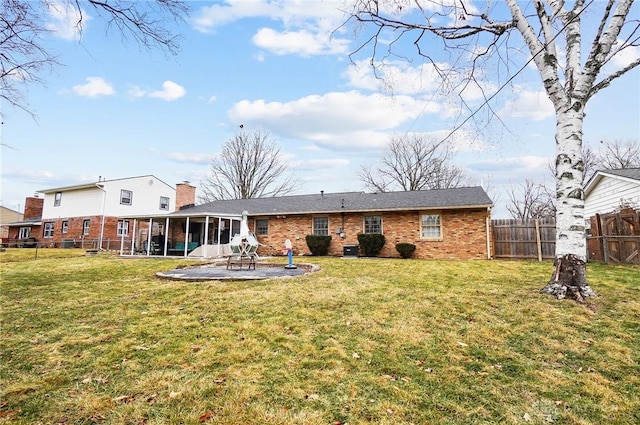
431	226
57	199
24	232
164	203
262	226
321	226
86	225
126	197
65	227
373	224
123	228
48	230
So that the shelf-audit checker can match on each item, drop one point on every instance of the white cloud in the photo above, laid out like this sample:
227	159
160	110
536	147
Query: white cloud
192	158
510	169
533	105
65	21
301	42
170	91
94	87
319	164
625	56
396	76
136	92
303	28
337	120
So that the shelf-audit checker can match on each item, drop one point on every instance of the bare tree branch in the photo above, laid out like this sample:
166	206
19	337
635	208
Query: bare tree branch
413	162
25	59
249	166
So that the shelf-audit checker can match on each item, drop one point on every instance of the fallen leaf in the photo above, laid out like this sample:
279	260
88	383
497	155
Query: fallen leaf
205	417
527	417
461	344
124	399
497	366
355	355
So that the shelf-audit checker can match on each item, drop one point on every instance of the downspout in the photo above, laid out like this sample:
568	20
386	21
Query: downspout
488	226
104	195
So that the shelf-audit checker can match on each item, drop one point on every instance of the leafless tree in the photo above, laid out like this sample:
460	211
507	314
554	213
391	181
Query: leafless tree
249	166
25	57
531	200
413	162
618	154
569	48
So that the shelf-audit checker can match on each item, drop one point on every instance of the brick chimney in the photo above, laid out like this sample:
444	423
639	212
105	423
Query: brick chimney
33	207
185	195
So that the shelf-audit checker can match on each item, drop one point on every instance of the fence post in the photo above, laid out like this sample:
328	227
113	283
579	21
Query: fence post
538	239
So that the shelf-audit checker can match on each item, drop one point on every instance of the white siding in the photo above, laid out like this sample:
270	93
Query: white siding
74	203
147	191
607	195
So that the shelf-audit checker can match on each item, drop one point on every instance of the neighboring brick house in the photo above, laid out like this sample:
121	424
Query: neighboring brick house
90	211
29	227
443	224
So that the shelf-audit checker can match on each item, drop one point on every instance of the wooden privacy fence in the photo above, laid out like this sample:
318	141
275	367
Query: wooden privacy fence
524	239
615	237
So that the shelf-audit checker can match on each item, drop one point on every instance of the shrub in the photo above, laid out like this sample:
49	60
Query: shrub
405	250
318	245
371	243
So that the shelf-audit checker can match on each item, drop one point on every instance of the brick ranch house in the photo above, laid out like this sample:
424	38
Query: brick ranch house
443	223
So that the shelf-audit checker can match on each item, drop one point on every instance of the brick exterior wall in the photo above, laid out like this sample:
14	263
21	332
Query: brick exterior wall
464	234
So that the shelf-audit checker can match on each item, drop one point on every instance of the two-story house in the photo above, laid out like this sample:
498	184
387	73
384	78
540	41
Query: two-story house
91	211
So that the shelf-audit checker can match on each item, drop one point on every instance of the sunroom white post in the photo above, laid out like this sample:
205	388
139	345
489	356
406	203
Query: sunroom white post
149	231
166	240
133	236
186	237
219	234
121	238
206	236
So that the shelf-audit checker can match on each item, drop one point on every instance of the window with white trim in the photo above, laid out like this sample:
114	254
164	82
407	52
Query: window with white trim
321	226
86	226
164	203
373	224
431	226
57	199
123	228
48	230
126	197
24	232
262	226
65	227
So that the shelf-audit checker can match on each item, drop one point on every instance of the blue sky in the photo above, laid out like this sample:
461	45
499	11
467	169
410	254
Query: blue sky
116	110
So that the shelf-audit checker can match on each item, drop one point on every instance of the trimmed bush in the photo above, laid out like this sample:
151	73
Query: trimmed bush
318	245
405	250
371	243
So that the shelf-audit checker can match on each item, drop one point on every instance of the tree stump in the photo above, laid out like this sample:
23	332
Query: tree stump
569	279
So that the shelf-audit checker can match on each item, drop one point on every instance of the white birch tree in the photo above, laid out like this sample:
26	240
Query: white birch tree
572	67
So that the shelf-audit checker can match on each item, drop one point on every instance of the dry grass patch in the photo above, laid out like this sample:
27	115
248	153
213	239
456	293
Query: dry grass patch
101	340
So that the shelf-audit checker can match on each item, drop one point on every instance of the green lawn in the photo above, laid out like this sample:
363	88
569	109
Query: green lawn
370	341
